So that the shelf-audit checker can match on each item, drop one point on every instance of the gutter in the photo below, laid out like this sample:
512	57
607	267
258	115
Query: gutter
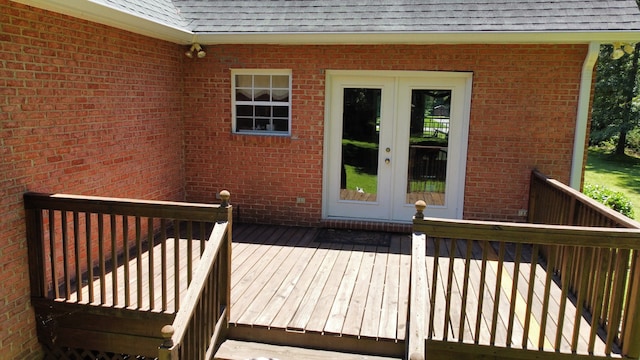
582	117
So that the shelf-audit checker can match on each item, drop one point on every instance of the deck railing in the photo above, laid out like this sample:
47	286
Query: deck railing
552	202
504	310
117	260
596	269
201	323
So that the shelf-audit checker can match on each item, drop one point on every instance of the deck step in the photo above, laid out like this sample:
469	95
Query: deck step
243	350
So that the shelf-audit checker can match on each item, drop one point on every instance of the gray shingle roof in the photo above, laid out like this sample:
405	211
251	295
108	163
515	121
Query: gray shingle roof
338	16
160	11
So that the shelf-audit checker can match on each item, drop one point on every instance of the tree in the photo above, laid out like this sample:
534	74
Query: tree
613	113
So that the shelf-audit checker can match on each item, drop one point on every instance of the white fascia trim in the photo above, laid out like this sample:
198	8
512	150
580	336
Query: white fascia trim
480	37
582	117
101	14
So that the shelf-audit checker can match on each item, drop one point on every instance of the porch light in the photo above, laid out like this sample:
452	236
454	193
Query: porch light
197	50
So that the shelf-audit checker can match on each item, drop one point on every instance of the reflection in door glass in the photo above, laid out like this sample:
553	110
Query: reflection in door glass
360	138
428	145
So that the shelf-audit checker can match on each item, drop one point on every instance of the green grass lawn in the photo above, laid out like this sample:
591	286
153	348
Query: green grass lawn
618	173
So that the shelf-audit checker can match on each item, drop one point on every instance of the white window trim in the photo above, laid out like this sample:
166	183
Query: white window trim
275	72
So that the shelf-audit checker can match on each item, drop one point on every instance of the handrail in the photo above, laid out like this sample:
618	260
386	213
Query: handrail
76	243
504	258
552	202
199	325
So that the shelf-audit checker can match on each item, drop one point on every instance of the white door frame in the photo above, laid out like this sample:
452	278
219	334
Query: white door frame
402	81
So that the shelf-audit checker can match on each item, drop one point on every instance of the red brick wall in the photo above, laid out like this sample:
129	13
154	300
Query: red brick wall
523	113
84	109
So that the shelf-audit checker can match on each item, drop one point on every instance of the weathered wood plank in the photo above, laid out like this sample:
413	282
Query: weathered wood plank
240	350
322	308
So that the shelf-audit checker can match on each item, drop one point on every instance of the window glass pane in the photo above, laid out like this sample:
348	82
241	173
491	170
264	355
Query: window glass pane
262	81
263	111
281	111
243	94
244	124
280	95
280	81
244	110
360	144
244	81
263	124
428	146
261	95
280	125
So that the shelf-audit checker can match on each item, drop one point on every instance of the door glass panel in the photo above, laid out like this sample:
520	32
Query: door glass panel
428	145
360	143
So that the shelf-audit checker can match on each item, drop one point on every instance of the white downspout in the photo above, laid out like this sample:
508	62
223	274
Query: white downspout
582	117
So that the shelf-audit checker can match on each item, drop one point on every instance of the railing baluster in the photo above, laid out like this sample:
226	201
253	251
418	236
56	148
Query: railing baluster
163	254
447	312
496	296
514	293
566	280
54	256
139	255
176	265
150	255
65	254
189	251
102	260
434	286
532	280
89	247
114	259
126	262
596	319
618	288
76	249
465	289
584	268
483	272
547	289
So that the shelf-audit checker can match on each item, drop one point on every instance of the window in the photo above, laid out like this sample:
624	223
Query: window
262	101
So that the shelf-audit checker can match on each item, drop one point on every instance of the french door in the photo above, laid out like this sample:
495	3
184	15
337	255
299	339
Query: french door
392	138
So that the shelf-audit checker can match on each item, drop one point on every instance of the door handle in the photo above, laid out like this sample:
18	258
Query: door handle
387	161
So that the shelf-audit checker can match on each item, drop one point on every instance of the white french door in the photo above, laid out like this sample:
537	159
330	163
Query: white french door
392	138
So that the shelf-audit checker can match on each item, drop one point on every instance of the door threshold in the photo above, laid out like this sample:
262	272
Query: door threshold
370	225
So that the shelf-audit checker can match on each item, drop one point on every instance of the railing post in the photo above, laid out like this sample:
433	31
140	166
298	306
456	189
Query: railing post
420	206
35	248
416	333
166	351
226	278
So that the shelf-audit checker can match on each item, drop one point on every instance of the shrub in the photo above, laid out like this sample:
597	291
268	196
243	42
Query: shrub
633	140
612	199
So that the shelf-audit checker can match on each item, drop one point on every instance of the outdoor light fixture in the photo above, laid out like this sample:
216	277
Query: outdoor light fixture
197	50
619	49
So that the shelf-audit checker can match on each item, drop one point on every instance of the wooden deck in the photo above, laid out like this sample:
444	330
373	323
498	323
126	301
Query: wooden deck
287	285
285	281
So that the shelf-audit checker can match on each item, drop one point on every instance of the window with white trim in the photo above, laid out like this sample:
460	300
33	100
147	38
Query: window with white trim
261	101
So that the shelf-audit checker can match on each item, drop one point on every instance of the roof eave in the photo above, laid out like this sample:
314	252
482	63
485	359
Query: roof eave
478	37
98	13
